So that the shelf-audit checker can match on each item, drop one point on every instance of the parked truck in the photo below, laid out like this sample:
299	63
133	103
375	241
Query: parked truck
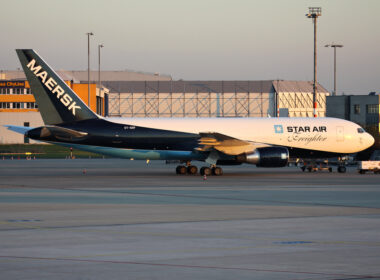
369	165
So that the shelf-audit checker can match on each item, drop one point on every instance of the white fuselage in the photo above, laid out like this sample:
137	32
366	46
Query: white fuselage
320	134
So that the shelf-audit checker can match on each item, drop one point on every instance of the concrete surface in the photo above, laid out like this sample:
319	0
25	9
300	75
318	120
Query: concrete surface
119	219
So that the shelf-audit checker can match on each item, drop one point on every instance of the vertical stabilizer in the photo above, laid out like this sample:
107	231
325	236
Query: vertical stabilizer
56	101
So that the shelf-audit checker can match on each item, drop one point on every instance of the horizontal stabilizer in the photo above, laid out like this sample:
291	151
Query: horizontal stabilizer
53	133
19	129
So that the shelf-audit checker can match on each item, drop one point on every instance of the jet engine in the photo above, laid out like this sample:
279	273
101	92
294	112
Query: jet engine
266	157
53	133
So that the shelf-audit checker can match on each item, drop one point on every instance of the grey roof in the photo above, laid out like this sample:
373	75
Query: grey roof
297	86
188	86
211	86
117	76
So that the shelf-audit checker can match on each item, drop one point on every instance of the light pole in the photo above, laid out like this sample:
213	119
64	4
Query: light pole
99	47
334	46
101	107
314	13
88	64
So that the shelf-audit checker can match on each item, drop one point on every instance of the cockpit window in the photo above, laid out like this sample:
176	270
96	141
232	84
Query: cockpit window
361	130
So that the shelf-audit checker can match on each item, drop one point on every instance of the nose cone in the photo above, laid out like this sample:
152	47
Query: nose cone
369	140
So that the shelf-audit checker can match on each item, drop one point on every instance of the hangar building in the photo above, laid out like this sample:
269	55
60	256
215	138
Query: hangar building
214	98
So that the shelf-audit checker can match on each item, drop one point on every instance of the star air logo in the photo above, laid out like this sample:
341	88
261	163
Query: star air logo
278	128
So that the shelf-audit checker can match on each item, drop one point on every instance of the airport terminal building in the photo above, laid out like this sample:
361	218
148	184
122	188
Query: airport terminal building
137	94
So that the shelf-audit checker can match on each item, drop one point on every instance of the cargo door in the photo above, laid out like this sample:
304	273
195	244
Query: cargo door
340	133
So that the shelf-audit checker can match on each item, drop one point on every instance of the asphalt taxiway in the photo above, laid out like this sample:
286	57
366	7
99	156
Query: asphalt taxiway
119	219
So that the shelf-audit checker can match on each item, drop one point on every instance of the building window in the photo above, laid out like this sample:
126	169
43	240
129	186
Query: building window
5	105
16	105
372	109
31	105
26	139
357	109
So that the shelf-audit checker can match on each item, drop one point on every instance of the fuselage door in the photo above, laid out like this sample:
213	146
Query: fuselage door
340	133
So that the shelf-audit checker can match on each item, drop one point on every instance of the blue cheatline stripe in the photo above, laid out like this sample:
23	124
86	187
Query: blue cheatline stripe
136	154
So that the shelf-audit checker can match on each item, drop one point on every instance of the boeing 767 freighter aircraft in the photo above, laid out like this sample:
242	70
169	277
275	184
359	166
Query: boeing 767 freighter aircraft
265	142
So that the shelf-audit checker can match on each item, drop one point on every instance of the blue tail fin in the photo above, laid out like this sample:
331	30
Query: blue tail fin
57	102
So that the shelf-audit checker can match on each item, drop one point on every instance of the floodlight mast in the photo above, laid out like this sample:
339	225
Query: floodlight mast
88	65
334	46
99	47
314	13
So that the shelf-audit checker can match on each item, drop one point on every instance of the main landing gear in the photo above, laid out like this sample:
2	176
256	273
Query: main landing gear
214	170
192	170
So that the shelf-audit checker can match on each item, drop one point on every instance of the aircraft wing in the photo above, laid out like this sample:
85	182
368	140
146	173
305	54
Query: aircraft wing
18	129
231	146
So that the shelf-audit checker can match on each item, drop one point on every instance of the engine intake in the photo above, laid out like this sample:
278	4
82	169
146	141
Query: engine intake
267	157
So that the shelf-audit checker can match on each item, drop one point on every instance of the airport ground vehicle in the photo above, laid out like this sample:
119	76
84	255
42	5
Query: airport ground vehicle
369	166
319	165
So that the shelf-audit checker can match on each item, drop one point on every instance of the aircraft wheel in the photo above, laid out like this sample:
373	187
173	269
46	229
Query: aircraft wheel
205	171
342	169
217	171
330	169
191	169
181	169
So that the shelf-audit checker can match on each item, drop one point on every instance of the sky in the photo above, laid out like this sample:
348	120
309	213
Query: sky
201	39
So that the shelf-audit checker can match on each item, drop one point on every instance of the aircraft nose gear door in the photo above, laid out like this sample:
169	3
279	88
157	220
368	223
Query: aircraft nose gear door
340	133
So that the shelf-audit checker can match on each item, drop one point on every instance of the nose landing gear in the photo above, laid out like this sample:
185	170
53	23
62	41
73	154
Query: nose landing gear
342	169
342	164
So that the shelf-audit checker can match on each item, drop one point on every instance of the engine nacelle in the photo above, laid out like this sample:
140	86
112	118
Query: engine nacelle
267	157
